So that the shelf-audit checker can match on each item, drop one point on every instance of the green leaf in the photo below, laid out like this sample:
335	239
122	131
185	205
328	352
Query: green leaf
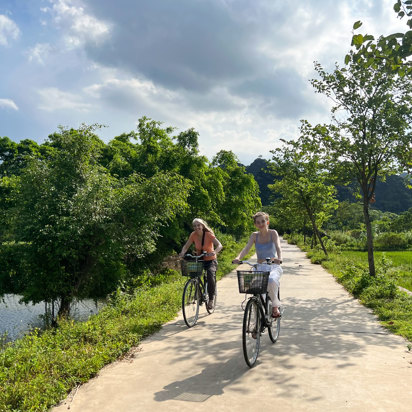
357	24
357	40
347	59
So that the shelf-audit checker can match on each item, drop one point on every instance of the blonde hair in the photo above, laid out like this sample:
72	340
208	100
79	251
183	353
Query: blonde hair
258	214
206	227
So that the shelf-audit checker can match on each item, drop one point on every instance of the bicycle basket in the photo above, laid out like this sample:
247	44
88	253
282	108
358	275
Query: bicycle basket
191	267
253	282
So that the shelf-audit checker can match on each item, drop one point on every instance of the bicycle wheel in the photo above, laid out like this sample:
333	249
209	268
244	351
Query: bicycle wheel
251	332
190	302
211	310
274	329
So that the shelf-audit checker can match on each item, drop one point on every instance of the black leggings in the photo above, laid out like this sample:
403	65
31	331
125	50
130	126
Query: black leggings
211	267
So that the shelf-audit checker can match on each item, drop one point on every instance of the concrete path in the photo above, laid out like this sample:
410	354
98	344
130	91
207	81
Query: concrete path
332	355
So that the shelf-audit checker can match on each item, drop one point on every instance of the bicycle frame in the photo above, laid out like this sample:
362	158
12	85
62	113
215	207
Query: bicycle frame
256	318
195	293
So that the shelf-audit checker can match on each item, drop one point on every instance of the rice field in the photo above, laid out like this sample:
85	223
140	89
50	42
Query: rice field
400	263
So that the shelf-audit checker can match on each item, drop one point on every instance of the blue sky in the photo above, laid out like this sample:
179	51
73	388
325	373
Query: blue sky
235	70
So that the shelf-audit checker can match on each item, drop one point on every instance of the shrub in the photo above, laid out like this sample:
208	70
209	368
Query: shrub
341	238
391	241
294	238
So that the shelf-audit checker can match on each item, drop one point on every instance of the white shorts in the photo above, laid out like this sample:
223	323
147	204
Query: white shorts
275	270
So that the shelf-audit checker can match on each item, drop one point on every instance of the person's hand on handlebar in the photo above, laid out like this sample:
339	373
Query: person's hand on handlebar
236	261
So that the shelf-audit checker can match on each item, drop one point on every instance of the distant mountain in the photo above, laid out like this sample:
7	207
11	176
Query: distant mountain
259	169
391	196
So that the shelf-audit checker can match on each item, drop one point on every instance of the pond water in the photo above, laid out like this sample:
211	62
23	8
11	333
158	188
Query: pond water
18	318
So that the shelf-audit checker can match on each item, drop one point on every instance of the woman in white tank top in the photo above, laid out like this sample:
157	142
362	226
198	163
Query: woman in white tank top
267	245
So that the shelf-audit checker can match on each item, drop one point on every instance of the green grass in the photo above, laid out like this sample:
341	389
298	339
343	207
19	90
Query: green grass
400	261
40	369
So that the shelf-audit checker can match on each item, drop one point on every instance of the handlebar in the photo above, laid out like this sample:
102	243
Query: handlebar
268	261
195	256
249	263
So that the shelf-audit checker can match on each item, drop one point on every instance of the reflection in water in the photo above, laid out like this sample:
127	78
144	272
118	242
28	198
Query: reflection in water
17	318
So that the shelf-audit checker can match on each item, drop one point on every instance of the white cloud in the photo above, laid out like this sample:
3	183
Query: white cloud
8	30
78	26
39	52
235	70
8	104
53	99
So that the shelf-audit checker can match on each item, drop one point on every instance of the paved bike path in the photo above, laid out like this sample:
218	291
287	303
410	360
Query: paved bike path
332	355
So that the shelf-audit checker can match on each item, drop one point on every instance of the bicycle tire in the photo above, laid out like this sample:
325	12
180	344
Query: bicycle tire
210	311
190	302
251	332
274	329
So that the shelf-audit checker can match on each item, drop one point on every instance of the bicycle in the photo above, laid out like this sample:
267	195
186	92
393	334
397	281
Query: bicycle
195	292
258	311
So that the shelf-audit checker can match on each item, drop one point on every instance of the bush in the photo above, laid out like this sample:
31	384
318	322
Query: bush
408	236
357	233
391	241
293	238
341	238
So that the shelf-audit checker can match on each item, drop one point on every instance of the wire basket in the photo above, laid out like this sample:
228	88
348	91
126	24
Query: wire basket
192	267
253	282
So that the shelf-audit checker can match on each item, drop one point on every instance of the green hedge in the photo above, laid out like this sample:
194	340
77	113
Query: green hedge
392	241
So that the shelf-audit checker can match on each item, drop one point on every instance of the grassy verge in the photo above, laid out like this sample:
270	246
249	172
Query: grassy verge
40	369
400	263
392	306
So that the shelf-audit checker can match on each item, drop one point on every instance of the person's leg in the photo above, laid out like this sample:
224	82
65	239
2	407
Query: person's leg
211	274
273	288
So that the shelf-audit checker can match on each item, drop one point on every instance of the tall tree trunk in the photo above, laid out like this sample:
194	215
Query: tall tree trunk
316	230
369	236
64	309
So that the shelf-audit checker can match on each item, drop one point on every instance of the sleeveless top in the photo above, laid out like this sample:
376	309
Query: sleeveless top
207	245
265	250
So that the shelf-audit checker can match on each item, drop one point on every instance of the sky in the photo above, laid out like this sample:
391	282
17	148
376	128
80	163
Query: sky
237	71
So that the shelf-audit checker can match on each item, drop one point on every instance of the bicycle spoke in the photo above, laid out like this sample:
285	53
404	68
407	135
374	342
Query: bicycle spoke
190	302
274	329
251	332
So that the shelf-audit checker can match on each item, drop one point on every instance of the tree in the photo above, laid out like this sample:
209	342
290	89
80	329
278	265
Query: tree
389	52
347	216
241	193
305	193
83	227
369	136
403	222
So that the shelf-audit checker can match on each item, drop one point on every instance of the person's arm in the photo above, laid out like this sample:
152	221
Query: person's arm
278	248
245	250
185	247
218	247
